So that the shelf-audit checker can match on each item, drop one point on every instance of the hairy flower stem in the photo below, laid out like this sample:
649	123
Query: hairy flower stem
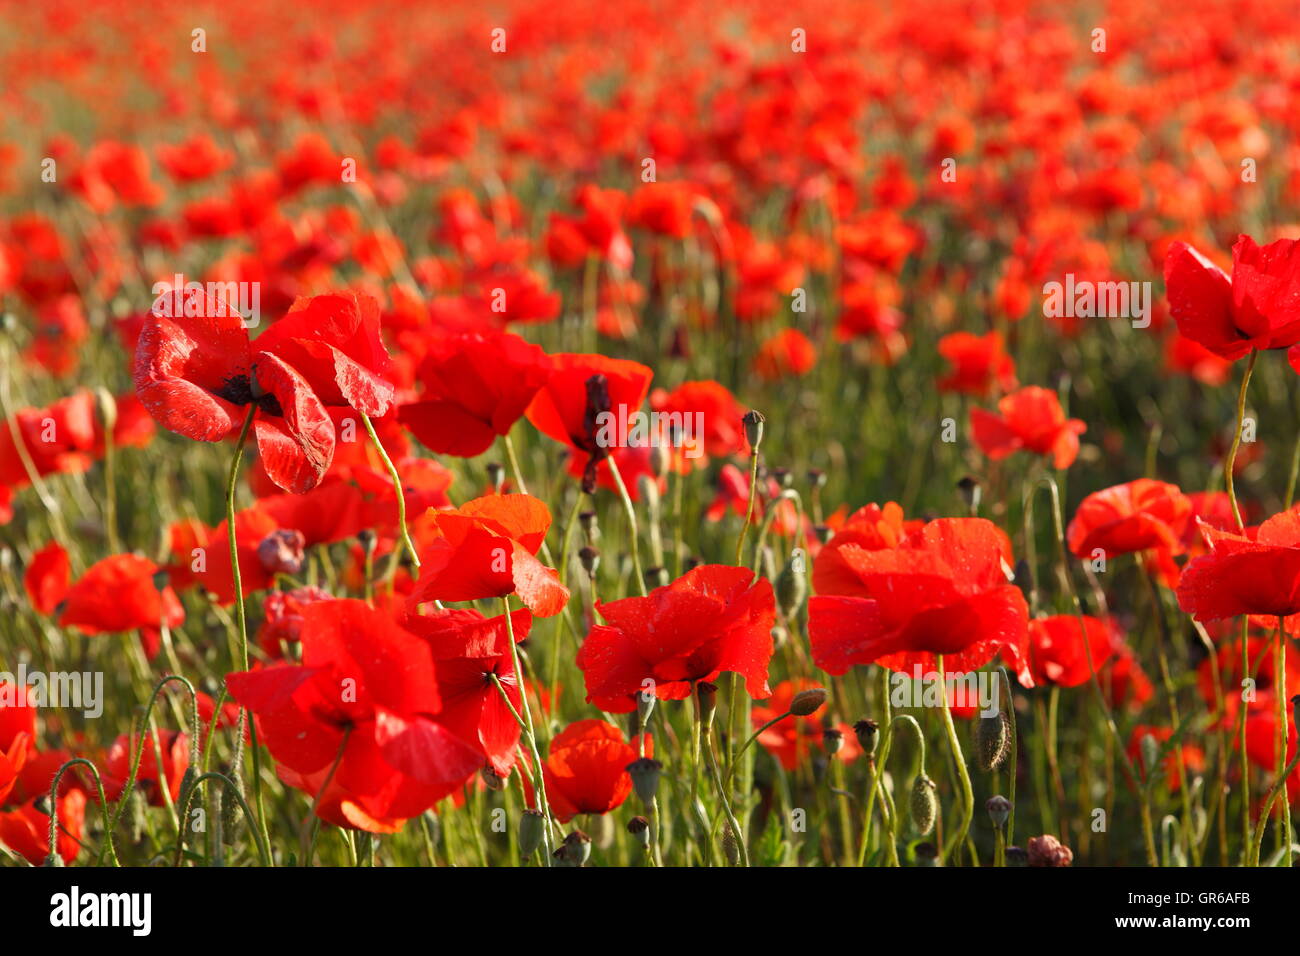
632	527
1229	465
543	803
103	807
401	504
749	508
967	793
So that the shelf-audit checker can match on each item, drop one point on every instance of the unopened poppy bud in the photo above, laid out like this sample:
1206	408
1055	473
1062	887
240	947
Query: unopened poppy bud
491	779
925	854
531	827
645	778
230	816
970	493
659	460
639	827
868	732
808	702
590	527
753	422
992	741
590	559
924	803
577	847
791	588
282	551
656	578
496	476
187	783
1150	748
708	699
730	845
999	809
832	741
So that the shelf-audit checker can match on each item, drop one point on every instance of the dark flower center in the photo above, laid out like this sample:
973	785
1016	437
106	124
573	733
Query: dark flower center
239	390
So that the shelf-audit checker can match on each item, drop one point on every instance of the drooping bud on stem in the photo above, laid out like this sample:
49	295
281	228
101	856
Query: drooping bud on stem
924	803
992	741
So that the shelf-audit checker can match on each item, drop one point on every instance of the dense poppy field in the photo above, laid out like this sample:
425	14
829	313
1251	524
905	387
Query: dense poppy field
769	434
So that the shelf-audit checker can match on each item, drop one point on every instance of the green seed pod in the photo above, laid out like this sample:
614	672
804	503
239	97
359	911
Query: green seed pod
925	854
924	804
999	810
753	422
531	826
645	778
992	742
832	741
577	848
868	732
639	827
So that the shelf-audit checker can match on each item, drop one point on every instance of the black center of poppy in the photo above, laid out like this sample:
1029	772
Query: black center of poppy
238	390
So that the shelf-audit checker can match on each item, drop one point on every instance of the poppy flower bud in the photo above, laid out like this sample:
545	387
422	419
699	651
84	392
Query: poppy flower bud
730	846
832	741
645	778
656	578
992	741
808	702
753	422
577	848
868	732
999	809
531	827
230	816
970	493
708	700
491	779
925	854
1047	850
496	476
659	461
282	551
791	588
1150	748
924	803
590	559
590	527
639	827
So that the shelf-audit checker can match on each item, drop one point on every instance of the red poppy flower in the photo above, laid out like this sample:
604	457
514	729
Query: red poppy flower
364	696
712	619
282	618
580	390
979	362
1124	683
787	354
469	651
1261	748
793	739
196	373
1056	650
586	769
1255	309
709	418
46	578
175	749
476	386
1257	574
943	590
1030	420
871	528
120	593
486	548
1139	515
12	757
333	341
17	714
26	830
